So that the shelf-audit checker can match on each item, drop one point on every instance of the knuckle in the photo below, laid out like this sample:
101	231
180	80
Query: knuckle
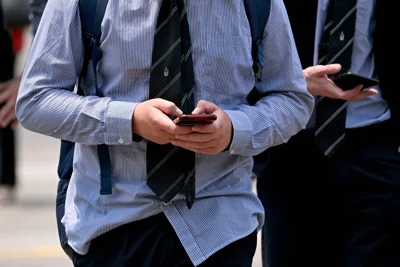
170	105
169	129
341	95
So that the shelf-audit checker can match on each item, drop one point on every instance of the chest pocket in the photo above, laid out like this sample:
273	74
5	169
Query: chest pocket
227	63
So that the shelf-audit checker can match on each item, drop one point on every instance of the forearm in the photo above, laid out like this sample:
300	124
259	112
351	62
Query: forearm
272	121
65	115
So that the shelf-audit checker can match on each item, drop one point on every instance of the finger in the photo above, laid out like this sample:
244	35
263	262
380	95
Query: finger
3	86
7	121
207	151
365	93
167	136
167	125
7	113
209	128
11	116
14	124
349	94
196	137
327	69
4	96
193	145
166	107
182	130
205	107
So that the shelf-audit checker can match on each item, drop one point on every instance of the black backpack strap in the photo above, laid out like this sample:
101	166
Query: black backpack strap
92	14
257	12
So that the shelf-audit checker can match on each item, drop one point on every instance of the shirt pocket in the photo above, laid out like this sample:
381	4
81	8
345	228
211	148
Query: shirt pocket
227	63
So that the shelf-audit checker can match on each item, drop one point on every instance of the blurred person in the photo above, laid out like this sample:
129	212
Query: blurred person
36	9
339	208
211	216
8	94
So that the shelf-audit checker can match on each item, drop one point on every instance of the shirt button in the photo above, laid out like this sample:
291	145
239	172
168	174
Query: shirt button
121	141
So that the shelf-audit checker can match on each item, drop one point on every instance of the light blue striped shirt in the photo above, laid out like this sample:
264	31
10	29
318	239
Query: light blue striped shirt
226	209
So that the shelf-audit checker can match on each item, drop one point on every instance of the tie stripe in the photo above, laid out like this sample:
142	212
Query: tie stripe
331	118
175	9
351	12
174	45
172	186
348	46
162	162
333	146
169	85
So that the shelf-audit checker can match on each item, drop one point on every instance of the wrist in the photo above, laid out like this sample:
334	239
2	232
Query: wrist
230	141
136	137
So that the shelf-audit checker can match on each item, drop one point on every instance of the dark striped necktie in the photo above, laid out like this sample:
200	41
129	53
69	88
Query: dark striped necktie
335	47
170	169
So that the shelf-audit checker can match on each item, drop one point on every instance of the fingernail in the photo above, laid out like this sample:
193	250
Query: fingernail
195	111
195	128
179	112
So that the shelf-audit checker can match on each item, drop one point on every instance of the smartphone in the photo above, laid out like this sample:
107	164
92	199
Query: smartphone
348	81
189	120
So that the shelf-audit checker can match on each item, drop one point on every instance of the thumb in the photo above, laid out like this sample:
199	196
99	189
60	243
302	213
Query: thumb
205	107
167	107
328	69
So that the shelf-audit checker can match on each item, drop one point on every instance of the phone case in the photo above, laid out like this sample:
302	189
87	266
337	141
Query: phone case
350	80
190	120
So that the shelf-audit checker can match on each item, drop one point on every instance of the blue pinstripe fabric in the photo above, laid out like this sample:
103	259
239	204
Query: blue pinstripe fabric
226	208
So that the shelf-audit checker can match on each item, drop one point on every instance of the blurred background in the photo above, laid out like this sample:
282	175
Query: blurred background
28	232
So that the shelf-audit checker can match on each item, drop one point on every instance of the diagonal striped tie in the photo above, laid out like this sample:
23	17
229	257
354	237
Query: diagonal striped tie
170	170
335	47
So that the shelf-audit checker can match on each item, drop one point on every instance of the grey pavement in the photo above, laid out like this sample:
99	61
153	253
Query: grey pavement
28	233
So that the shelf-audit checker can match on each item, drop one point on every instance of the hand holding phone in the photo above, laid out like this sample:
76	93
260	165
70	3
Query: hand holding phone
321	82
212	130
152	122
191	119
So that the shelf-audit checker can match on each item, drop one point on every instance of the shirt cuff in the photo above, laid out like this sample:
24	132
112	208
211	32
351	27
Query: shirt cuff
242	132
119	123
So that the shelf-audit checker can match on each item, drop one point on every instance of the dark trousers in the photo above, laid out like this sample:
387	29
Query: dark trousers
342	212
152	242
7	157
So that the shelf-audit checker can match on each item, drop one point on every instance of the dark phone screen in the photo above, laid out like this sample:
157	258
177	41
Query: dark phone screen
348	81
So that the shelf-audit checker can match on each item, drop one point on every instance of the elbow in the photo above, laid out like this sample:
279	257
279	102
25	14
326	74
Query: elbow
302	108
307	107
23	111
301	114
